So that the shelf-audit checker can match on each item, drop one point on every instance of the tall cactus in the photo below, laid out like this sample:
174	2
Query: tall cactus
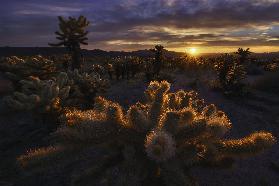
156	143
243	54
71	35
158	50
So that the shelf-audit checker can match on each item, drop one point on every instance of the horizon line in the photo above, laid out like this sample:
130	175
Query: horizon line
136	50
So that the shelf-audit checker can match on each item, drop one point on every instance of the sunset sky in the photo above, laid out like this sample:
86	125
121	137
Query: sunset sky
179	25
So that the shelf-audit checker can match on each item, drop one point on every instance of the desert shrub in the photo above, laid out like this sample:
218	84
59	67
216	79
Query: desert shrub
156	143
17	69
268	83
230	75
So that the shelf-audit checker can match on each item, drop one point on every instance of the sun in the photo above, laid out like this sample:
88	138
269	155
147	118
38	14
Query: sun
193	51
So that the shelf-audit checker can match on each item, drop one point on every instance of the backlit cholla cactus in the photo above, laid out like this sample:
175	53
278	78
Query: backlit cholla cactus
126	67
85	87
40	95
230	75
156	143
18	69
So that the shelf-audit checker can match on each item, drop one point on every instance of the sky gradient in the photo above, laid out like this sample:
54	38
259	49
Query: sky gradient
208	25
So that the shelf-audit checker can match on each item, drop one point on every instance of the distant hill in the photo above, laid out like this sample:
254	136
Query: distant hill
30	51
48	51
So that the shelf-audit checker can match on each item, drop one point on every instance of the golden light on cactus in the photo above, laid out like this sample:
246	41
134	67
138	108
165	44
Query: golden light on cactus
160	146
170	132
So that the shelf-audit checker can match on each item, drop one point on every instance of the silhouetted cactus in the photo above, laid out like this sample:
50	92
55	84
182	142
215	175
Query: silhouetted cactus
156	143
158	63
71	34
126	67
243	54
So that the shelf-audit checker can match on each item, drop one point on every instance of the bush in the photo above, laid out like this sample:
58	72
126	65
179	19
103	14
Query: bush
156	143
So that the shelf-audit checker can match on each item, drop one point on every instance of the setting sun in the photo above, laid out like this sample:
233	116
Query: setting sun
193	51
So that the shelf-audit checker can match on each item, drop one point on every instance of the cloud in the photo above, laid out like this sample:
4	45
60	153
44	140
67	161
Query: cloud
135	24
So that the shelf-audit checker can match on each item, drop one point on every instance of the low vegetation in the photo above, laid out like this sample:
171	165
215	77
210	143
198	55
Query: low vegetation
156	143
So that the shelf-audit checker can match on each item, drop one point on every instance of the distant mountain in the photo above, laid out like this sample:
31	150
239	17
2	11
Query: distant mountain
30	51
48	51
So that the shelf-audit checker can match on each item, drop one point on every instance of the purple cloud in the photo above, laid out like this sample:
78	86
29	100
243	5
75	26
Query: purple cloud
142	23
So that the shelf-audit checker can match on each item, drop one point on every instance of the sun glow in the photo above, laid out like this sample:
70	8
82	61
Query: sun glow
193	51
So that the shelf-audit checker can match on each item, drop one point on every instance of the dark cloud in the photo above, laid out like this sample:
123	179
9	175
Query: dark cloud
134	24
222	14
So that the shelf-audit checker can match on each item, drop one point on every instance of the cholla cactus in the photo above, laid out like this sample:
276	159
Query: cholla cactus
160	146
72	33
67	89
85	87
41	95
126	67
230	75
158	50
243	54
156	143
17	68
